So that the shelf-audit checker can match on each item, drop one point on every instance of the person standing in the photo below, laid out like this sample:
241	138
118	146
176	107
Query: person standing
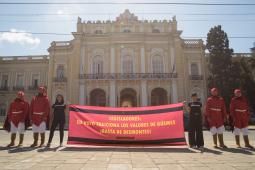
195	133
58	119
17	114
239	111
216	115
39	111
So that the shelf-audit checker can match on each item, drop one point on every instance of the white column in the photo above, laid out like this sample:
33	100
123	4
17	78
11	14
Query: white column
172	55
112	82
144	95
112	93
174	92
82	94
112	60
142	60
82	86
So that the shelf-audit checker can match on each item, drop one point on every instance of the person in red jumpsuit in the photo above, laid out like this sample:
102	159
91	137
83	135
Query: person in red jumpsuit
216	115
39	112
18	111
239	111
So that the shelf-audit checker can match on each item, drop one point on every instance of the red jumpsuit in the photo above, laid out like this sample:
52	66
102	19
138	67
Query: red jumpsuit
18	111
215	111
39	109
239	110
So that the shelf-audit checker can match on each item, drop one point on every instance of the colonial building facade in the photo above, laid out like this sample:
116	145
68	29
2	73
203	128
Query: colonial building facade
121	63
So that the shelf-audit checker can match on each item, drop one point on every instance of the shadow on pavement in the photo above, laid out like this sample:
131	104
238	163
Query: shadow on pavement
47	149
20	149
237	150
2	148
89	149
207	150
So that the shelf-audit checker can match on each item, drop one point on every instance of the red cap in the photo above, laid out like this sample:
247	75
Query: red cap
214	90
20	94
42	89
237	91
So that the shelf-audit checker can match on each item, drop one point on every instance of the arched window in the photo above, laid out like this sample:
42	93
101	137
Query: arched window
97	97
158	96
157	64
128	98
155	30
60	71
97	67
126	30
98	32
127	64
194	69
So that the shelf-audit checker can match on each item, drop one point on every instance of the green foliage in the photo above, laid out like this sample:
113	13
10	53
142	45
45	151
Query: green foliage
227	73
220	62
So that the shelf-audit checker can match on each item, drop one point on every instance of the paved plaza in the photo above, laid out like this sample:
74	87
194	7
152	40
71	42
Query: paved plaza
176	158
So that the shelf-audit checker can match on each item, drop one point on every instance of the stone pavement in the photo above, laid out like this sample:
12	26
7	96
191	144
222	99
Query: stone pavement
177	158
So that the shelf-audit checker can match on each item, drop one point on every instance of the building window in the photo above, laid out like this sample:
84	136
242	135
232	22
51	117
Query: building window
2	109
157	64
126	30
97	97
20	80
35	80
60	72
155	30
158	97
98	32
127	64
4	82
194	69
97	67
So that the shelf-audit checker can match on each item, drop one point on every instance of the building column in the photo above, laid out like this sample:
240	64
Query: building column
82	86
112	94
172	58
174	92
144	97
82	94
113	82
144	93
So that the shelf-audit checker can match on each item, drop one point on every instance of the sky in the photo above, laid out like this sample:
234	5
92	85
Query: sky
14	18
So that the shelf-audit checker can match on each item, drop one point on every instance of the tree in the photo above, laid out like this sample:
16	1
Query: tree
248	81
220	63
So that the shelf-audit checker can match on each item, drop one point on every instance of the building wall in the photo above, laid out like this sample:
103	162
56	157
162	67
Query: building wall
26	66
68	69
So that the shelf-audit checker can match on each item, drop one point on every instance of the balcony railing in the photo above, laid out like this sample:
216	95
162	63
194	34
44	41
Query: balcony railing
32	87
128	76
196	77
59	79
4	88
18	88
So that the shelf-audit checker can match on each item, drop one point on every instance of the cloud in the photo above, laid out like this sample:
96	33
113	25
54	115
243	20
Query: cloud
20	37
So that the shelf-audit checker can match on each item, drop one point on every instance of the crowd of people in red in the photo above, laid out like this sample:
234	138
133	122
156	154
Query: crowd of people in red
22	115
216	116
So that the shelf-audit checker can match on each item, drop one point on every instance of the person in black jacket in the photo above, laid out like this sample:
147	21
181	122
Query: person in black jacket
58	119
195	123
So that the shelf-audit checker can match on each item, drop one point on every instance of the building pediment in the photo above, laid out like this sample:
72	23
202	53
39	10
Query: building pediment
126	17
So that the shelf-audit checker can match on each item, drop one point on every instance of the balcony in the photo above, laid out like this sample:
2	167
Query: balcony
128	76
195	77
16	88
60	79
32	88
4	88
